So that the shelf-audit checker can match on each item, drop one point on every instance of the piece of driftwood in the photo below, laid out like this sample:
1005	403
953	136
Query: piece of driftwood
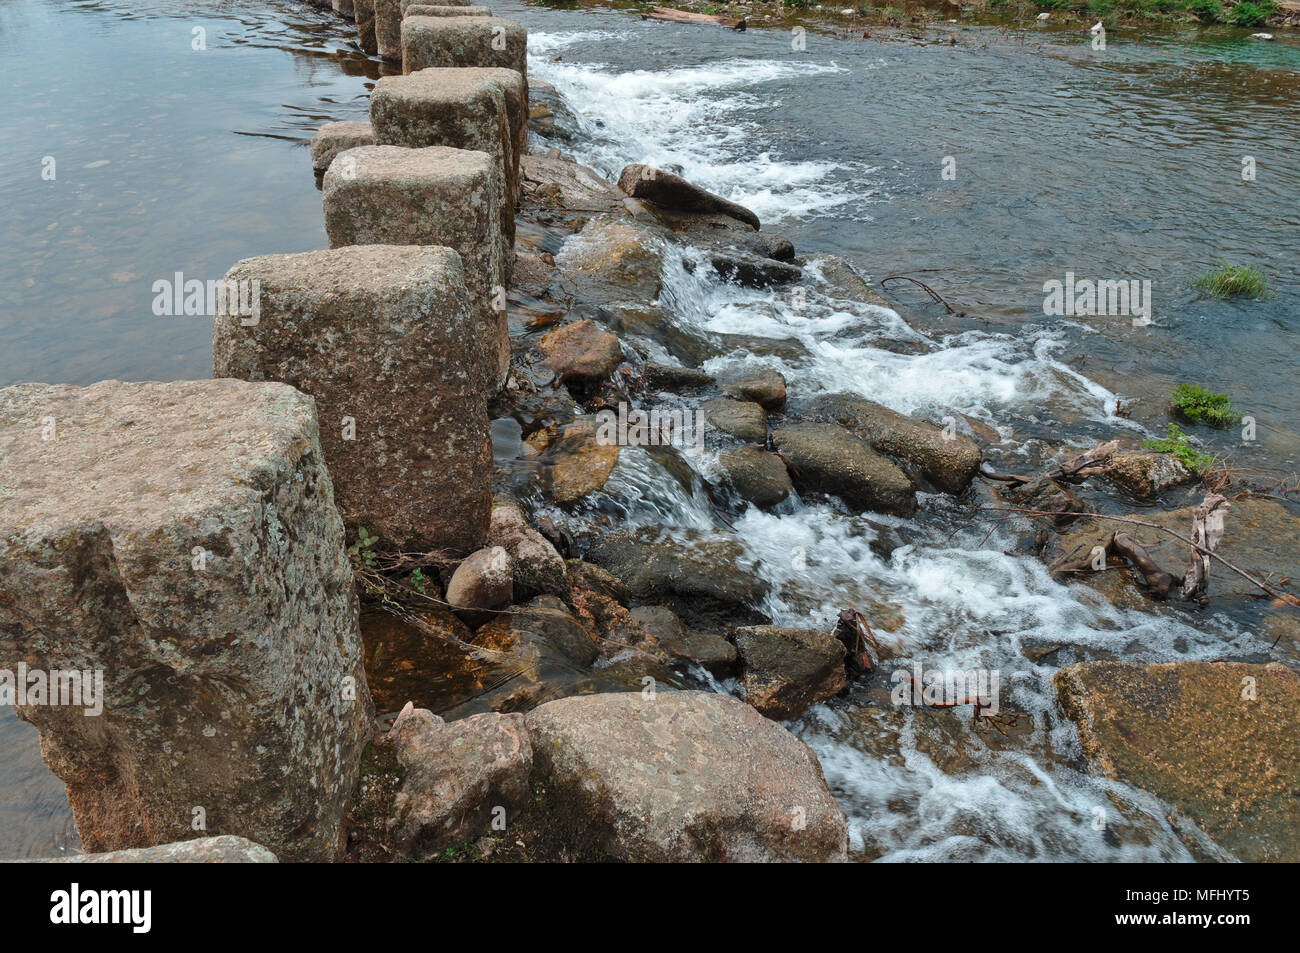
682	16
1207	530
1089	463
1159	583
855	635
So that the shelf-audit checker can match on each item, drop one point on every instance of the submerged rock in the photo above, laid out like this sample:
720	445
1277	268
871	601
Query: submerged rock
758	476
682	776
944	458
752	271
1220	741
672	191
826	458
787	670
580	463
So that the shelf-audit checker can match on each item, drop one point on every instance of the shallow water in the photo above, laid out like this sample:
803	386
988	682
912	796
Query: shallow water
1115	166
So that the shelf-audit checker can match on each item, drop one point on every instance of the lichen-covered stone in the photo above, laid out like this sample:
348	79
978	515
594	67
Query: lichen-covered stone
182	539
335	137
463	41
479	109
682	776
430	10
387	195
1220	741
388	29
458	779
363	12
384	338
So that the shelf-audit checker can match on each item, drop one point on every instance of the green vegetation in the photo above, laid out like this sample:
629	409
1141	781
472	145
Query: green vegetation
1248	13
364	547
419	582
1232	280
1202	406
1207	11
1180	446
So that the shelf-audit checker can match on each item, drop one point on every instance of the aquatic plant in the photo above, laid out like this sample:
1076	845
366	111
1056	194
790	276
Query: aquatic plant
1201	405
1232	280
1179	445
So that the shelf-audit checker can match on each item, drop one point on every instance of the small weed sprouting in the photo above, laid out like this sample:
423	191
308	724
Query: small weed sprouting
1200	405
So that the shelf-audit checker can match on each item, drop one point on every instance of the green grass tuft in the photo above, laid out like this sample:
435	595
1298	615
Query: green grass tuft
1201	405
1179	445
1233	280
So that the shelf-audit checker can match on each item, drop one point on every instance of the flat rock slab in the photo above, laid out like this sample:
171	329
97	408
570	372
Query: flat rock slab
383	336
335	137
1220	741
226	849
182	540
682	776
673	192
552	182
464	41
387	195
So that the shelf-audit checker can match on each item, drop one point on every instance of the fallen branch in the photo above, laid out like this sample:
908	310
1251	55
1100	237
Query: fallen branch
934	295
1272	591
682	16
1159	583
1207	530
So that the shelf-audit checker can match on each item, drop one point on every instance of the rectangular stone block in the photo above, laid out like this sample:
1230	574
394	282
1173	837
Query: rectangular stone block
470	108
388	29
181	540
335	137
363	12
464	41
388	195
385	339
425	10
407	4
343	8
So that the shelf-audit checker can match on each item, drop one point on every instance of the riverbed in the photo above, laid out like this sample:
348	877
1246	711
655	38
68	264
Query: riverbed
1122	164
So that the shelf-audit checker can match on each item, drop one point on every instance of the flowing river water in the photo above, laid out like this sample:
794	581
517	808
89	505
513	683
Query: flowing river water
1122	164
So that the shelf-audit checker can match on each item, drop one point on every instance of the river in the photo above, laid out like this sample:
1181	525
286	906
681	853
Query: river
1116	164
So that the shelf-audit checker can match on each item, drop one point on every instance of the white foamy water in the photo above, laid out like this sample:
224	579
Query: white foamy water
915	783
699	122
